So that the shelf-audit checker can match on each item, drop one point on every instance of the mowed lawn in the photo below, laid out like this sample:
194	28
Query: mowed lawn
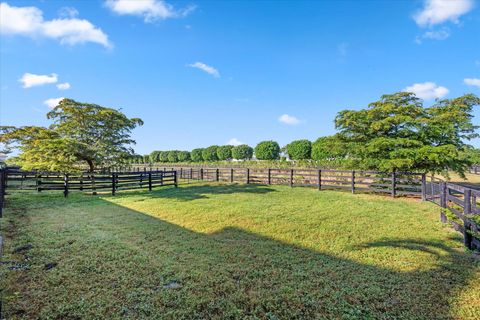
219	251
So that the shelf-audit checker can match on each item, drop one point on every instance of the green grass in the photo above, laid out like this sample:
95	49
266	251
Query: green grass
217	251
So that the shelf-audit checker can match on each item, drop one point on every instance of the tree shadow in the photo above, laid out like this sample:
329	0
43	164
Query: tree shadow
162	270
200	191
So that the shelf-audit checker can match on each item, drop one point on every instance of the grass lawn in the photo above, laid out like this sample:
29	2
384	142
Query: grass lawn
218	251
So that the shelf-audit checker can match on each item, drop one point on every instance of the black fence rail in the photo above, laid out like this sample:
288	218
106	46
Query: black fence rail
92	182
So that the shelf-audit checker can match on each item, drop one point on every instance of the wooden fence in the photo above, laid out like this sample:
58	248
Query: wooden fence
93	182
394	184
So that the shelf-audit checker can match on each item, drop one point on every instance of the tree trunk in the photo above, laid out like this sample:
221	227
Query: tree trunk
90	164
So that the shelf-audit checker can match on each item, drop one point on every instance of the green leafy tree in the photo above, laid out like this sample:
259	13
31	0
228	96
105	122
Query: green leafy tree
329	148
299	150
224	152
80	133
173	156
210	153
399	133
163	156
242	152
267	150
183	156
197	155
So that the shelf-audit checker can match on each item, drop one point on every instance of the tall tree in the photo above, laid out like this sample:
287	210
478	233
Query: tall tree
399	133
80	133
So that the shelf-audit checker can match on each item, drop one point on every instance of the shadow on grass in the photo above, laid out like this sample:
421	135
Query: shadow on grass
200	191
233	273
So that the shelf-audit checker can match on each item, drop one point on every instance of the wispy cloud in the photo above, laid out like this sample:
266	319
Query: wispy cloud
63	86
288	119
441	34
427	90
472	82
150	10
32	80
206	68
439	11
28	21
234	142
52	102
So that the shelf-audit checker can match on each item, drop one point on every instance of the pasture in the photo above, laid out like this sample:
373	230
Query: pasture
216	251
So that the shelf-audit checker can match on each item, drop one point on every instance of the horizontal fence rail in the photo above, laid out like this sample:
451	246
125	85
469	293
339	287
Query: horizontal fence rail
92	182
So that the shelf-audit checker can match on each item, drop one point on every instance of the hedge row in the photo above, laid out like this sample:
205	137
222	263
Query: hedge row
323	148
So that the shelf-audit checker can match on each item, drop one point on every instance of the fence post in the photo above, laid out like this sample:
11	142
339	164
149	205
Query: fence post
191	173
81	181
113	184
269	176
94	189
424	187
231	175
291	177
443	201
181	173
248	175
467	209
319	179
394	184
175	181
217	174
201	173
150	180
65	185
353	181
39	183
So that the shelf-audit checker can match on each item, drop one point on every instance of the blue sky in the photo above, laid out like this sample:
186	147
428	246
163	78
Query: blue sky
205	72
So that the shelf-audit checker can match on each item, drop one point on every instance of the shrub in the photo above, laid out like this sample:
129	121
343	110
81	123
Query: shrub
163	156
183	156
210	153
299	150
267	150
224	152
172	156
242	152
196	155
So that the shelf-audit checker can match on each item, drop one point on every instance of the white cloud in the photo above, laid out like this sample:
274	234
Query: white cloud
234	142
439	11
150	10
63	86
204	67
28	21
32	80
472	82
52	102
427	90
441	34
287	119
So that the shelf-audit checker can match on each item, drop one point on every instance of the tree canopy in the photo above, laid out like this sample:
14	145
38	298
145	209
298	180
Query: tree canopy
267	150
399	133
81	133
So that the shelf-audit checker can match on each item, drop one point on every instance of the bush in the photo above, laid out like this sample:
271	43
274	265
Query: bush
172	156
210	153
299	150
196	155
183	156
163	156
224	152
328	148
267	150
242	152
